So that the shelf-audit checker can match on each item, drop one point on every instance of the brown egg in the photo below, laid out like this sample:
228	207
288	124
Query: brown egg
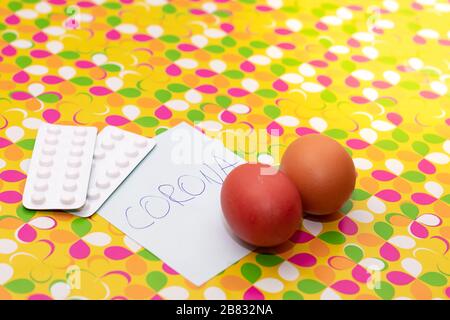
323	172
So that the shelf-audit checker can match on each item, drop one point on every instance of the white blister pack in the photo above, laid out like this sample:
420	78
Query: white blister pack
117	153
59	170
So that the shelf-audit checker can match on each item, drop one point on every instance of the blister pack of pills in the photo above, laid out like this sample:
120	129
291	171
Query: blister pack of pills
58	175
117	153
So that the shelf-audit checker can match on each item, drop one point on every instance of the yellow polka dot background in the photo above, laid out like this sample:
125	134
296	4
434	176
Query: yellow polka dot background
373	75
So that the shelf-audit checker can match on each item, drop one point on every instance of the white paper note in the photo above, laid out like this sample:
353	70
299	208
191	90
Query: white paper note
170	204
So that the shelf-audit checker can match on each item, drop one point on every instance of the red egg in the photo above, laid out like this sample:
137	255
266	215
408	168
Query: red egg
261	205
323	172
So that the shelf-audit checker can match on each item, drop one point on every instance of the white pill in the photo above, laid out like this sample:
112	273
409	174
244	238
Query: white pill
51	140
80	132
107	144
50	151
122	162
38	198
70	186
53	130
74	162
93	194
46	161
131	153
78	152
117	135
141	143
98	154
112	172
43	173
67	198
72	174
102	183
41	186
77	141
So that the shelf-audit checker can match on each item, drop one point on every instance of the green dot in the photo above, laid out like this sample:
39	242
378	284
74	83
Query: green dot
14	6
277	69
195	115
268	260
113	21
384	290
383	229
310	286
251	272
81	226
328	96
272	111
332	237
223	101
245	51
354	252
163	95
434	279
9	36
156	280
168	8
173	54
292	295
228	41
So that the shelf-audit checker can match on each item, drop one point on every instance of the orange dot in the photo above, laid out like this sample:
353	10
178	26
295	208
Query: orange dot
62	236
420	291
318	248
399	221
443	177
133	127
54	62
325	274
442	209
221	82
32	104
147	102
366	297
190	80
136	265
138	292
159	61
7	85
8	222
97	73
233	283
445	232
13	153
201	55
374	153
8	68
407	156
66	88
369	184
402	186
4	295
254	101
256	119
368	239
115	100
211	108
156	45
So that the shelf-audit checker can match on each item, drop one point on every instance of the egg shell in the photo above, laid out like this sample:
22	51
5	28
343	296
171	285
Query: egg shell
261	204
323	172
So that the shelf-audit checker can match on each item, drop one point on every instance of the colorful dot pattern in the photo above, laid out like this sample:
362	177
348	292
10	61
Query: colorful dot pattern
372	75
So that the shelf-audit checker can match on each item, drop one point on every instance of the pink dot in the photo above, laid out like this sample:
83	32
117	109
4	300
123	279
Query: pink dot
264	8
359	58
419	40
418	230
197	12
26	233
227	117
4	142
360	100
422	198
51	115
21	77
113	35
12	175
426	166
352	82
238	92
353	43
52	79
345	287
227	27
330	56
12	19
205	73
253	294
303	131
173	70
169	270
324	80
117	253
321	26
9	51
142	37
381	84
283	31
301	237
399	278
163	113
100	91
429	94
275	129
206	88
389	195
116	120
10	197
348	226
84	64
40	37
303	259
39	296
357	144
389	252
395	118
247	66
382	175
360	274
187	47
280	85
79	250
39	54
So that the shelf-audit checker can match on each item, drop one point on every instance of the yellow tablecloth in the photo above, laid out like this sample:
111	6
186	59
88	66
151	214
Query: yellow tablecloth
373	75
